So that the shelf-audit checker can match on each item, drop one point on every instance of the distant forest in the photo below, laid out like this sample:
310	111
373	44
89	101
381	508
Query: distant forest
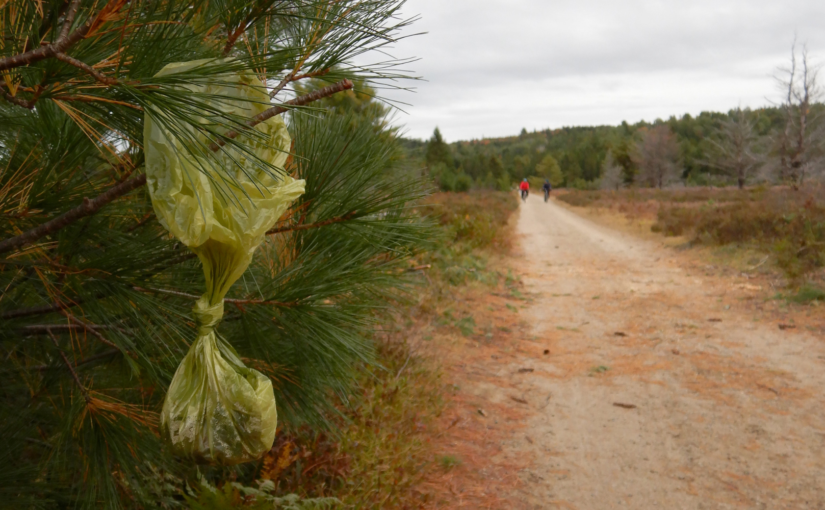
785	144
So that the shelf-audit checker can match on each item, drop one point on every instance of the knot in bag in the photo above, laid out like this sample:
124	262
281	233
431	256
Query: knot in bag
217	410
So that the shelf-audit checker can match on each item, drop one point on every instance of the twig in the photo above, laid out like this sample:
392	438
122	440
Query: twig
19	102
97	75
419	268
79	364
324	223
38	310
283	83
83	389
63	42
90	328
48	328
244	26
87	208
226	300
291	77
277	110
757	265
403	367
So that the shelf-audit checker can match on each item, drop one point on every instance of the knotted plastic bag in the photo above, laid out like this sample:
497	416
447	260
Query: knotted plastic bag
217	410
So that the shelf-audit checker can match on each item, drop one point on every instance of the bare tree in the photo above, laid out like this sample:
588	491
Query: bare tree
799	145
734	147
612	177
657	156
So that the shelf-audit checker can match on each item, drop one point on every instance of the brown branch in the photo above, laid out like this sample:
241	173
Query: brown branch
19	102
46	328
70	15
291	77
91	328
87	208
84	361
226	300
83	389
283	83
244	26
324	223
63	42
97	75
277	110
313	74
38	310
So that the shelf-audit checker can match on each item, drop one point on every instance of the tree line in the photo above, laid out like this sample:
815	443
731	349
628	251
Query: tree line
784	143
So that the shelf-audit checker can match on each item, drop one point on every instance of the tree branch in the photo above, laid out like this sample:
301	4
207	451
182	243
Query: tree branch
38	310
87	208
291	77
324	223
226	300
47	328
83	389
277	110
90	328
63	42
16	100
87	68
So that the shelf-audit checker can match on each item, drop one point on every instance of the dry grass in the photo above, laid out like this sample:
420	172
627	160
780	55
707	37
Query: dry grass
785	224
393	436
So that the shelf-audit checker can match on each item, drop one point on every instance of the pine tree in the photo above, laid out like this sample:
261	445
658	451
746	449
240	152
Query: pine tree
97	297
438	151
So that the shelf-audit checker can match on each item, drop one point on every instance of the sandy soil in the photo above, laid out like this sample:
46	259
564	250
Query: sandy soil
646	384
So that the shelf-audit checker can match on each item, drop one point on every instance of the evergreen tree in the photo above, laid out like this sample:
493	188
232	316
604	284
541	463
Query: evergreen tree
96	308
438	151
549	169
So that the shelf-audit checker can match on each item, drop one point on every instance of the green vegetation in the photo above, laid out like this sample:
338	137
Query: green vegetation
97	297
784	144
785	223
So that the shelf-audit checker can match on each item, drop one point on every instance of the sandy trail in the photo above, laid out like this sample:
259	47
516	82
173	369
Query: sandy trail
722	409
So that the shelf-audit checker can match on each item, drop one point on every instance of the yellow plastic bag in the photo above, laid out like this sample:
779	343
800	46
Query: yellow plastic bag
217	410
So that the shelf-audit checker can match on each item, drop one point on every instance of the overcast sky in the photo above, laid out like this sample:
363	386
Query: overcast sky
495	66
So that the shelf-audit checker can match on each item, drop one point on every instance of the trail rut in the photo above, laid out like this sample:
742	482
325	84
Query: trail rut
660	389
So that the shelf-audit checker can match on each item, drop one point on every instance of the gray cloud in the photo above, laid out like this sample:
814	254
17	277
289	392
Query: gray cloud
493	67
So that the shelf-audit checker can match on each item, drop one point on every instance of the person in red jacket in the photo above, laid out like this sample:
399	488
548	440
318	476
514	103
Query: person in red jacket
525	189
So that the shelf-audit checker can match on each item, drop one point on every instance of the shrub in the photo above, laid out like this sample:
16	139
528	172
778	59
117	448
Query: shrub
463	183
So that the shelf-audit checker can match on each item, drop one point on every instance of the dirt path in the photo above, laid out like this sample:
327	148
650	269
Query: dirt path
661	388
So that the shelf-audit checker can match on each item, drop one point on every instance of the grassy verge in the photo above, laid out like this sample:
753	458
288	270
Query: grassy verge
379	450
787	226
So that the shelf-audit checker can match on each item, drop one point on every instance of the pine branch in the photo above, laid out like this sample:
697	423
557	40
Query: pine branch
90	328
63	42
87	68
38	310
233	37
324	223
46	328
84	361
277	110
291	77
87	208
227	300
16	100
83	389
